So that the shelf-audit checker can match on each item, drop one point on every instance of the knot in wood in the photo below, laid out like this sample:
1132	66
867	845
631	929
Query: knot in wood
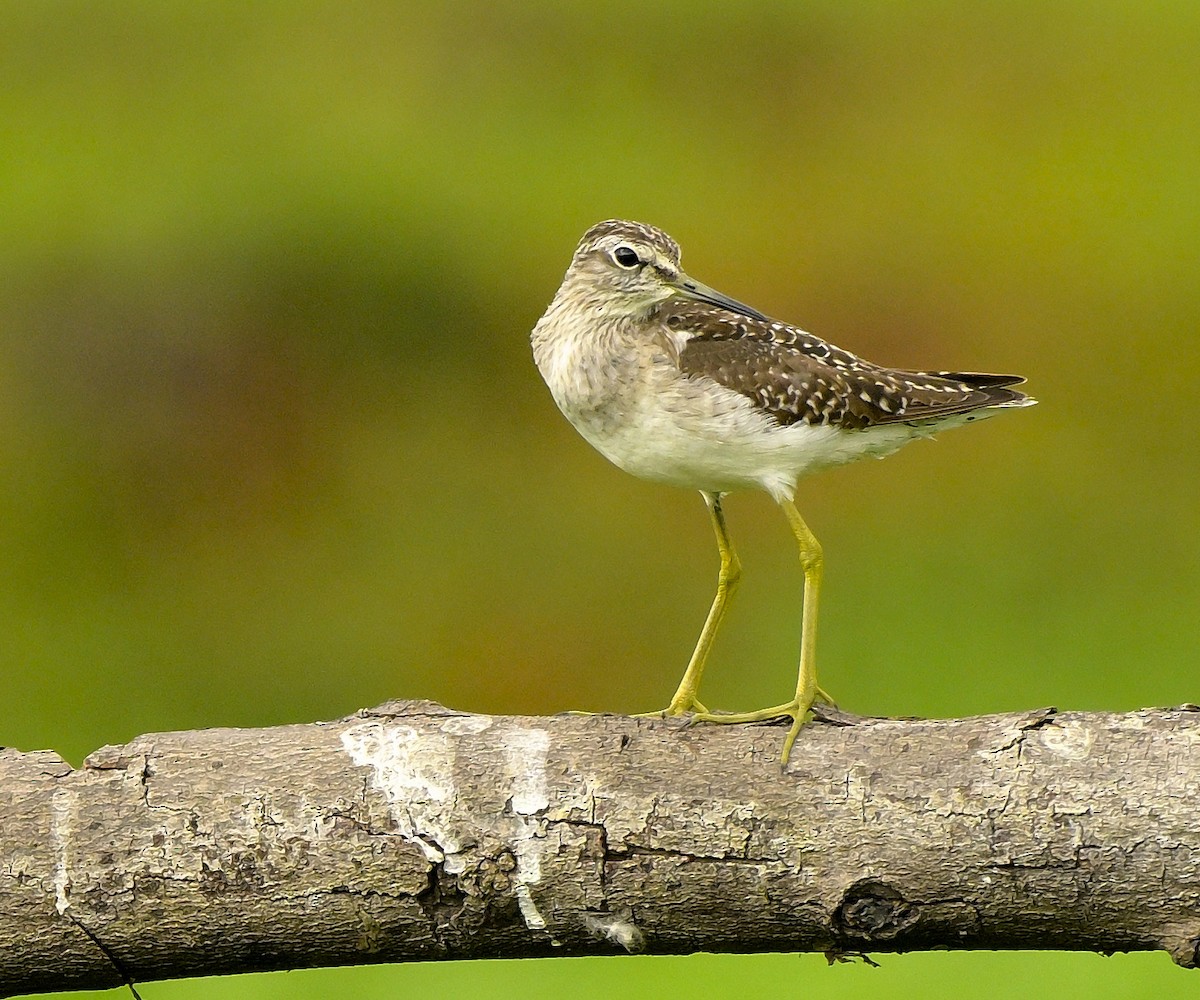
875	910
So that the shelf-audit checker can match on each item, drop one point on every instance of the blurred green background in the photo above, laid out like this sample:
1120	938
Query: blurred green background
272	447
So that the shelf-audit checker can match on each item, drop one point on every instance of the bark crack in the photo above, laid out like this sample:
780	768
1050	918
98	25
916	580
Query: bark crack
110	956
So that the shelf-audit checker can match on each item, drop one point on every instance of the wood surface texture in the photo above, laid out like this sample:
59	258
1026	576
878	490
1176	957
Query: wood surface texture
412	832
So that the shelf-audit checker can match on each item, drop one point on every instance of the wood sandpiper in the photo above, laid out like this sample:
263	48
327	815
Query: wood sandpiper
675	382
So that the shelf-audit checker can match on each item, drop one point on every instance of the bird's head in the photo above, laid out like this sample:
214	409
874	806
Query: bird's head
629	268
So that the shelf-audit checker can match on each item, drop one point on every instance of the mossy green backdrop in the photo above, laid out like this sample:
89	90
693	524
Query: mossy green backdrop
272	447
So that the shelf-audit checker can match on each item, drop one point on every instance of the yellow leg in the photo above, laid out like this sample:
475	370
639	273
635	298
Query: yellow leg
807	691
730	572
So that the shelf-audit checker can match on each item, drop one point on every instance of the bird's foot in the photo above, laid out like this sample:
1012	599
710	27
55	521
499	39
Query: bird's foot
678	707
797	710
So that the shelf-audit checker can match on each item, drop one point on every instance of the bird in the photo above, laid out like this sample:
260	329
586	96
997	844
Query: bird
678	383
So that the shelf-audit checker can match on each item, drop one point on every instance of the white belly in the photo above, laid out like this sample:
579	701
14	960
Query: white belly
730	446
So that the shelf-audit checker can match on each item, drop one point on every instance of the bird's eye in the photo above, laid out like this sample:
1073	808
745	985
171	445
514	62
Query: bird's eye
626	256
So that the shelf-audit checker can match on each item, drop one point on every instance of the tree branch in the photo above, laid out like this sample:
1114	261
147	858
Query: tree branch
413	832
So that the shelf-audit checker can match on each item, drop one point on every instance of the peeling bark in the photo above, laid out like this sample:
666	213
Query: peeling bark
410	832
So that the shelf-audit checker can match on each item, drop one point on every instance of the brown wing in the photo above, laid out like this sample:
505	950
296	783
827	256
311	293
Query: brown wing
794	376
